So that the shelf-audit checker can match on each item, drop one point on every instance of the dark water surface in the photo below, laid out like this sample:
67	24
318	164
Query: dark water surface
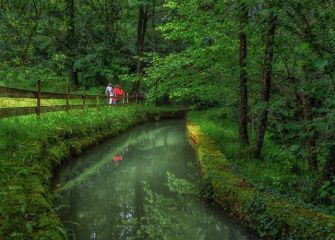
150	194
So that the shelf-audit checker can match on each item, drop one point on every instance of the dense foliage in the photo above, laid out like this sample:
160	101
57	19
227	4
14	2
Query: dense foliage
94	41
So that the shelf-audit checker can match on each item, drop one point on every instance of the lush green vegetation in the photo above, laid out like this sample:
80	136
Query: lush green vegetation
268	64
269	215
278	173
28	159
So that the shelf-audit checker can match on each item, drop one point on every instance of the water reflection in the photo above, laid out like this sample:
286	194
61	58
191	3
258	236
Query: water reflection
150	194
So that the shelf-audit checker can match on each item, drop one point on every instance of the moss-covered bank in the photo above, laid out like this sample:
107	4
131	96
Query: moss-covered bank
31	149
270	217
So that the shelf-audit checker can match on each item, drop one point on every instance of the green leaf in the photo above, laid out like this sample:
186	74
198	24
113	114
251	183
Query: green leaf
29	227
321	63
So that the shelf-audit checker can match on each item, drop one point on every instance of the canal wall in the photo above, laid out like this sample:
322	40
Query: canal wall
270	217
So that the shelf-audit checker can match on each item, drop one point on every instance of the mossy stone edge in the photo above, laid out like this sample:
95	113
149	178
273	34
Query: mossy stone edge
271	218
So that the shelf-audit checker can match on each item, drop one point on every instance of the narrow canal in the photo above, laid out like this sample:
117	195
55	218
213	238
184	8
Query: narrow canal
140	185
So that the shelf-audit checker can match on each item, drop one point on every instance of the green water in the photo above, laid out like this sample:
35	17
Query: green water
150	194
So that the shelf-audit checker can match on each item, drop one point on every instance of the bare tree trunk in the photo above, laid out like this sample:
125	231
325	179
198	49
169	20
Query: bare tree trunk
266	87
141	31
243	106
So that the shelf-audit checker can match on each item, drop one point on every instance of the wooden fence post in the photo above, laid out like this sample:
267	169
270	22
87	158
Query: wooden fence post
84	98
67	94
38	98
127	98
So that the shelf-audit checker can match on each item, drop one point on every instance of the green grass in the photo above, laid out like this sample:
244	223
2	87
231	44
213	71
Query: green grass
278	172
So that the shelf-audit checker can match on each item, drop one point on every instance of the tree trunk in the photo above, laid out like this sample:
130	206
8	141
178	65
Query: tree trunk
243	106
71	42
329	168
310	139
166	100
141	31
155	44
74	78
266	87
310	144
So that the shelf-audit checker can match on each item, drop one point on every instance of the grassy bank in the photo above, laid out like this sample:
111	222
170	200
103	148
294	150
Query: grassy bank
272	196
31	148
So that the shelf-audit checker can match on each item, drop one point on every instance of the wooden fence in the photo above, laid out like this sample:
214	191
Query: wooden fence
38	95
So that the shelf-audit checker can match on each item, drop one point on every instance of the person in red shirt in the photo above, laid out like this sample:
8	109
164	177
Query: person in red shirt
117	93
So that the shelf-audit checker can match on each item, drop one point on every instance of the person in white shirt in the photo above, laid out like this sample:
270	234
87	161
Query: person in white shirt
109	93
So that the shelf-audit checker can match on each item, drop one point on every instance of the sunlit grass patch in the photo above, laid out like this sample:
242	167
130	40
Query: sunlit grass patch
30	102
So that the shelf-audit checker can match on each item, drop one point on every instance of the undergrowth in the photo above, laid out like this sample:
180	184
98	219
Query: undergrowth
279	172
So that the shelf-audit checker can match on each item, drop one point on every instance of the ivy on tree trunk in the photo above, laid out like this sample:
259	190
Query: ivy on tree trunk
143	12
243	109
266	86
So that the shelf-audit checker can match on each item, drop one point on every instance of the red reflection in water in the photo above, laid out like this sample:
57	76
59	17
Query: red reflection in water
117	158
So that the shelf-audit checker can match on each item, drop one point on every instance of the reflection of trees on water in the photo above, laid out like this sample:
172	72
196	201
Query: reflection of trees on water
91	164
139	199
134	200
182	216
232	235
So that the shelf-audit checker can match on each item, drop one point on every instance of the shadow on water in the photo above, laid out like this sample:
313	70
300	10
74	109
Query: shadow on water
140	185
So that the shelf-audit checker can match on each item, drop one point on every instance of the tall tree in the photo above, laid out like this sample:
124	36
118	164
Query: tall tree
143	16
329	168
71	41
267	75
243	106
309	132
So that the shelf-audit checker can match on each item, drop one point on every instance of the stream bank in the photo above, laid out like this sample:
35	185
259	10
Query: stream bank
271	218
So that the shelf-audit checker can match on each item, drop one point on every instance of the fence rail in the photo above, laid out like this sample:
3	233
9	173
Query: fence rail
19	93
38	95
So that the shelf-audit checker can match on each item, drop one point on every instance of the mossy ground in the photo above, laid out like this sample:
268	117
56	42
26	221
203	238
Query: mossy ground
270	216
30	150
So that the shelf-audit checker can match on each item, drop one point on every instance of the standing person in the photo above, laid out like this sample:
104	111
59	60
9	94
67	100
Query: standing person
117	93
109	93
